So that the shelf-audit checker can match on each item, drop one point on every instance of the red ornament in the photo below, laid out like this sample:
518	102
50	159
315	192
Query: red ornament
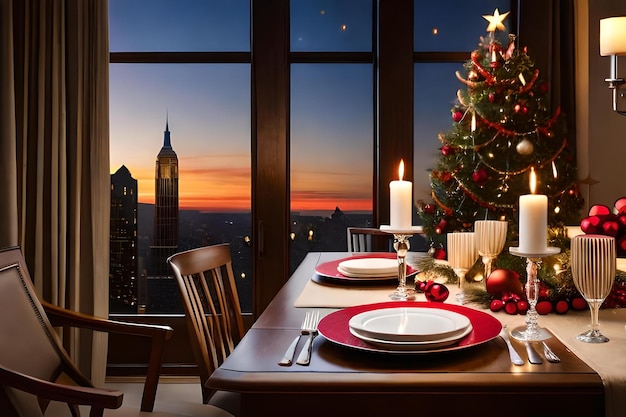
544	307
480	176
440	253
562	307
436	292
429	208
503	280
599	210
610	227
496	305
448	150
522	306
457	116
441	226
579	303
590	225
621	219
492	97
511	307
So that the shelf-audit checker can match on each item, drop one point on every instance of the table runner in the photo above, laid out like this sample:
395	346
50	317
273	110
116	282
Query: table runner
607	359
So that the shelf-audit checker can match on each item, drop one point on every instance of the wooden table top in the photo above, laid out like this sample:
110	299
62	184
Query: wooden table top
481	376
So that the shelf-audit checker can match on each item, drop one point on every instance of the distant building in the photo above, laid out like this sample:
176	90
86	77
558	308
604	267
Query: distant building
123	244
165	238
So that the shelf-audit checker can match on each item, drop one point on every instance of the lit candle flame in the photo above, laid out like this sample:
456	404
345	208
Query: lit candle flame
533	181
555	173
401	169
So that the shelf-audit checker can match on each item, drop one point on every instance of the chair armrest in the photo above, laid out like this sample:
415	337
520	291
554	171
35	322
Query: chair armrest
98	398
59	316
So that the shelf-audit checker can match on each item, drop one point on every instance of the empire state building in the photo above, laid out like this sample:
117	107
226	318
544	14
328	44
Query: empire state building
165	239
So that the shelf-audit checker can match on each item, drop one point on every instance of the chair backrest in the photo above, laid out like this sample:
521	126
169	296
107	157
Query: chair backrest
28	342
368	239
211	302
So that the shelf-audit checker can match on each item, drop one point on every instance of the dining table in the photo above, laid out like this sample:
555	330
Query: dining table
477	379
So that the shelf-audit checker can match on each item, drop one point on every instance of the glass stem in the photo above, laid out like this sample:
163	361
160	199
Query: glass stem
532	292
594	306
402	246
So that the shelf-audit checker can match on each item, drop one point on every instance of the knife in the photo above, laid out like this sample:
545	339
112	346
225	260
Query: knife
533	356
516	359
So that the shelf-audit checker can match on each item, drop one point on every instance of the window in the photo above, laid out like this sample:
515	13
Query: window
332	123
179	102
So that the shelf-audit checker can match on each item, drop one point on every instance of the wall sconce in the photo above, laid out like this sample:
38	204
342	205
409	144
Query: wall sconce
613	44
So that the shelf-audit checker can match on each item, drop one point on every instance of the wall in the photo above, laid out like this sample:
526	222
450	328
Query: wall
601	139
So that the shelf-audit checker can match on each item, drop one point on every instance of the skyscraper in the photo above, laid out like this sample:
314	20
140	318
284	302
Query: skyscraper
165	238
123	242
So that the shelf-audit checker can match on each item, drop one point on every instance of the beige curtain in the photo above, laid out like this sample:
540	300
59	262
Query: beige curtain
54	156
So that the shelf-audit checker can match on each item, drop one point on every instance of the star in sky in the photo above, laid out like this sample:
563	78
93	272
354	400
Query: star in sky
495	21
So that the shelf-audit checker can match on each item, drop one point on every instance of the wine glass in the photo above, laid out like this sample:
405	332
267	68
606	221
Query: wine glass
490	238
593	261
462	254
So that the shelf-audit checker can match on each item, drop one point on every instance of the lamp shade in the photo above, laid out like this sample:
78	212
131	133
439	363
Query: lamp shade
613	36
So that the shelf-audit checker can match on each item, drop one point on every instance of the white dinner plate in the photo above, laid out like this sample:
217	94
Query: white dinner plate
369	267
413	346
410	324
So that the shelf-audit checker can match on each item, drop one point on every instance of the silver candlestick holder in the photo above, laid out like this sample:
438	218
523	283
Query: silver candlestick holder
401	245
531	331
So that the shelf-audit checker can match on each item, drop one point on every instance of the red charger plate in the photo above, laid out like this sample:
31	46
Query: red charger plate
327	273
334	327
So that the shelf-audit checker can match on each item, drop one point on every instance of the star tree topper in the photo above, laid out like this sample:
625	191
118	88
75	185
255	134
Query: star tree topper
495	21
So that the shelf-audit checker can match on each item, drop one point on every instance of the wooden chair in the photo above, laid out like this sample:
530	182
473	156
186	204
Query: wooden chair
368	239
32	356
212	310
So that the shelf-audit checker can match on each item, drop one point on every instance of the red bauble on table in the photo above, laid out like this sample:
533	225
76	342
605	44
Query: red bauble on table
579	303
433	291
544	307
602	220
599	210
504	280
562	307
590	225
496	305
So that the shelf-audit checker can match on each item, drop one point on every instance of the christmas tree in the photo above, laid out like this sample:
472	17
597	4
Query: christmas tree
503	128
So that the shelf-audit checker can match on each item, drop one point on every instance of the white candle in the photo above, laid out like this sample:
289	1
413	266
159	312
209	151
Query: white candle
533	220
400	202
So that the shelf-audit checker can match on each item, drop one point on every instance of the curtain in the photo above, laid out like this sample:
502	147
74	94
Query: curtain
547	29
54	155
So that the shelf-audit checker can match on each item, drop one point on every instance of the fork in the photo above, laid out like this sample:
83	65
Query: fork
287	360
550	356
305	354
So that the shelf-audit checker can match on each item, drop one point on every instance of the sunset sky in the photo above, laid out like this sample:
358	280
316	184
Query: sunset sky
208	105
